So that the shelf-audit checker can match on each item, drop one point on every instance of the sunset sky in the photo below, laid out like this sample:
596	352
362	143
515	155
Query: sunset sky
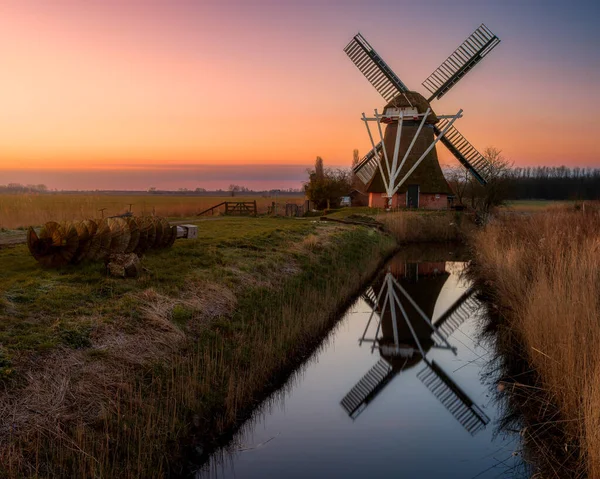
119	94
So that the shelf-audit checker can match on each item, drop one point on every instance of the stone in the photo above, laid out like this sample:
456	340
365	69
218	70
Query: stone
124	265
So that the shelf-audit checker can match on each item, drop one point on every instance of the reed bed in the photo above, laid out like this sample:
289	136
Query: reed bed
542	273
426	226
34	209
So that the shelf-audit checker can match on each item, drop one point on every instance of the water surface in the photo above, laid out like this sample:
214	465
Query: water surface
385	395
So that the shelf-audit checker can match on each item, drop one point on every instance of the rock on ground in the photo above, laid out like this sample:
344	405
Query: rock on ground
126	265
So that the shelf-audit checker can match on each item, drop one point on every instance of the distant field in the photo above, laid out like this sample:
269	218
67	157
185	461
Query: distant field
535	205
22	210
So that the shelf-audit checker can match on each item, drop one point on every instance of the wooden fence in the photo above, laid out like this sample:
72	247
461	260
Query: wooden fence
239	208
249	208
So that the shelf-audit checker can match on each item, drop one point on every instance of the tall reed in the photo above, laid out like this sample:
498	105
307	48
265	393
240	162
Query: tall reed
543	273
426	226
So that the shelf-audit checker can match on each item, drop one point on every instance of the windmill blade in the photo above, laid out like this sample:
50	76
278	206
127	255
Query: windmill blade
454	399
367	388
379	74
370	297
458	313
464	152
366	168
465	57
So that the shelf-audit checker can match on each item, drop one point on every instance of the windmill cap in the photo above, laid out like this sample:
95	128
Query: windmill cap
413	99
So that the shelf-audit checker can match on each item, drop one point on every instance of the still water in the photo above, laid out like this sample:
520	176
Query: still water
386	394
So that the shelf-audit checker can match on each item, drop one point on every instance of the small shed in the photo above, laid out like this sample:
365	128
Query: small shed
359	198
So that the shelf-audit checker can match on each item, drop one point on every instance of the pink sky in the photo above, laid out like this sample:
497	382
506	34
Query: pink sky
95	87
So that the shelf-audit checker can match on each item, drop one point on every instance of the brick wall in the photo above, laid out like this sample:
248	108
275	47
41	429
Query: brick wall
378	201
427	201
398	266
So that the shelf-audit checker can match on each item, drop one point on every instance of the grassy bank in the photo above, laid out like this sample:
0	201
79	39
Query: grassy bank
542	273
104	377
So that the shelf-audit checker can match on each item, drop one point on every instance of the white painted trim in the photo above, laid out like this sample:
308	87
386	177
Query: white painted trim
393	171
426	152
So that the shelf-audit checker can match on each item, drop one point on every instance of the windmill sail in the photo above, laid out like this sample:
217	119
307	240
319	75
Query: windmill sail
464	58
464	152
454	399
457	314
379	74
368	386
366	168
370	297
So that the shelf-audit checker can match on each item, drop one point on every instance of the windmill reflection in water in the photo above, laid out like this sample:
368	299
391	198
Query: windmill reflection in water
402	306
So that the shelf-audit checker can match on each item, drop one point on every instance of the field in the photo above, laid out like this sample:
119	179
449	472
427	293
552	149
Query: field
542	273
19	211
537	205
24	210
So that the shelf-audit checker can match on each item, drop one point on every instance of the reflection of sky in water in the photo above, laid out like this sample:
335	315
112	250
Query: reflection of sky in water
405	431
453	288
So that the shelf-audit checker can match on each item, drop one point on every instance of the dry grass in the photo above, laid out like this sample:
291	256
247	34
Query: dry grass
544	273
64	398
22	210
425	226
539	206
311	242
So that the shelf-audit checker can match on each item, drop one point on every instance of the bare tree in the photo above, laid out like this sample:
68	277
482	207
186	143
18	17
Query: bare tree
233	189
470	192
495	192
458	178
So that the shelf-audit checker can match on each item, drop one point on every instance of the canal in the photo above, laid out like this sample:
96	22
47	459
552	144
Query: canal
400	388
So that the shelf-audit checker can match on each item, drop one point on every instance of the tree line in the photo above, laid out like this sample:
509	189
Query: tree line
553	183
523	183
19	188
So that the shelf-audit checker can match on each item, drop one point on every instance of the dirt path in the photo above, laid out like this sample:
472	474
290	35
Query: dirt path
12	238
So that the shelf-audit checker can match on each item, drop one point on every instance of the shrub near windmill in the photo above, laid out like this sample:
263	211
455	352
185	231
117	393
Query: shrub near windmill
402	169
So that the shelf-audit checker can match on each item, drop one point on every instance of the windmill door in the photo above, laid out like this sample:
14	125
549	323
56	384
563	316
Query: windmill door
412	196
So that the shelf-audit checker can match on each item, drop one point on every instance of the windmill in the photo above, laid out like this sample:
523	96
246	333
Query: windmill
403	166
404	335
